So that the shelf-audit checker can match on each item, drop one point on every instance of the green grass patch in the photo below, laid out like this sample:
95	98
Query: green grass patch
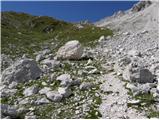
153	114
25	34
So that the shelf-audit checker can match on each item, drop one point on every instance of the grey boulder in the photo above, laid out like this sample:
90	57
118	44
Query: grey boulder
138	74
7	110
21	71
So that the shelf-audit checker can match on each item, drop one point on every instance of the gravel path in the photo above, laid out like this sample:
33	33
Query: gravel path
115	98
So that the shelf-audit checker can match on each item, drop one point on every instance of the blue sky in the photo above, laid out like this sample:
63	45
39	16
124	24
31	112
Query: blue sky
72	11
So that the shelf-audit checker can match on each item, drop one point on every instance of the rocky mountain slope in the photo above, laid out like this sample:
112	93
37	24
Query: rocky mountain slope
134	46
140	17
86	72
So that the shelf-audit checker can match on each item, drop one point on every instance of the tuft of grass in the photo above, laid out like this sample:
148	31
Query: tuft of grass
146	101
93	114
153	114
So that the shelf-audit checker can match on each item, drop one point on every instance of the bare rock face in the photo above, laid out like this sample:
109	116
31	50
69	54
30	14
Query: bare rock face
140	6
21	71
71	50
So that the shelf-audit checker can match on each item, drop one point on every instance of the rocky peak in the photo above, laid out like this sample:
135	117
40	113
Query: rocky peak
141	5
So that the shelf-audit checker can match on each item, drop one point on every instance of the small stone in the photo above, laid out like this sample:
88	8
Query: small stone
126	33
144	31
134	102
132	87
52	76
94	71
86	86
133	53
66	92
24	101
30	91
45	90
77	112
31	108
54	96
22	110
51	63
64	77
39	57
40	101
156	95
76	82
108	37
30	117
65	80
154	91
44	84
89	62
13	85
91	70
46	51
102	38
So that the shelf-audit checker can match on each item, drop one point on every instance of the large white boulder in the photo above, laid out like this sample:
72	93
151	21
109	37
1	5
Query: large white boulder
21	71
71	50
